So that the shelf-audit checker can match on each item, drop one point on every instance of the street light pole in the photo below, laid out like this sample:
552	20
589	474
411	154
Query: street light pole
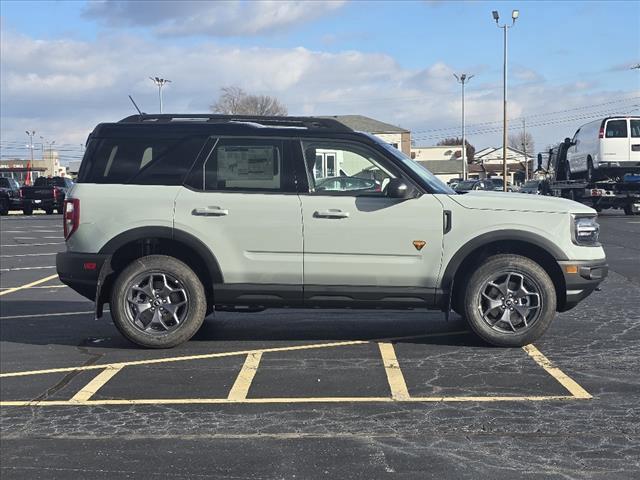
462	79
31	134
160	82
514	15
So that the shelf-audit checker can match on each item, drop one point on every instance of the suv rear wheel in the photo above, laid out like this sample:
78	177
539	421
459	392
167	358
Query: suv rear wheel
510	301
158	302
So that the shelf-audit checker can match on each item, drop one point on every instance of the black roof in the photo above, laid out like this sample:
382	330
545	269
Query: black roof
255	121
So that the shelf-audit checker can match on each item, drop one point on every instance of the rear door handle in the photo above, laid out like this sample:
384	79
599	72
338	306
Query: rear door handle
210	212
331	213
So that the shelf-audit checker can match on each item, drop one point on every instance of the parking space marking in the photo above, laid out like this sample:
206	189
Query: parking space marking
30	244
42	287
245	377
28	255
26	268
395	378
25	230
37	315
212	401
89	390
28	285
204	356
238	393
567	382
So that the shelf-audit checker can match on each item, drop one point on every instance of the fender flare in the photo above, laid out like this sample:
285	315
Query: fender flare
491	237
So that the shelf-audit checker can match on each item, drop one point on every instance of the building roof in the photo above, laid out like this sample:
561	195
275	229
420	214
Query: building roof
365	124
486	151
442	166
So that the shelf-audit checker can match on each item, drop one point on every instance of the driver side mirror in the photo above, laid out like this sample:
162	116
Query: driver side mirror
397	188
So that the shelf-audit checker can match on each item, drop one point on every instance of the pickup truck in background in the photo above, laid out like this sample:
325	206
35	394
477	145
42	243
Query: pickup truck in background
9	195
46	193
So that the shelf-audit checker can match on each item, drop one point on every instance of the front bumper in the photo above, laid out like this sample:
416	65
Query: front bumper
81	271
581	278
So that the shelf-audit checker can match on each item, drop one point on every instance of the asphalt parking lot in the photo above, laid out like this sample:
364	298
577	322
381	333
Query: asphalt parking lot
313	394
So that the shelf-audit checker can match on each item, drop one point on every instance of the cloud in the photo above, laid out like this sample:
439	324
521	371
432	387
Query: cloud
63	88
219	18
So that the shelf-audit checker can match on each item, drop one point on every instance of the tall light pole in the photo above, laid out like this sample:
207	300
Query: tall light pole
31	134
160	82
514	15
462	79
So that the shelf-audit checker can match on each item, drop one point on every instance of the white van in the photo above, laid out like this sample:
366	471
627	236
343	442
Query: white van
605	148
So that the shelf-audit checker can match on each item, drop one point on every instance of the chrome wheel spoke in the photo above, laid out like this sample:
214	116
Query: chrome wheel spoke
157	303
510	302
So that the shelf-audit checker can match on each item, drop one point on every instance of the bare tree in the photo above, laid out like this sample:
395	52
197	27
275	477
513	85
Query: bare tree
235	101
522	141
471	150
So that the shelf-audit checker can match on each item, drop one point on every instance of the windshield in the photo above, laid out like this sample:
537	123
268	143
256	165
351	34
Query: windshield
433	183
49	182
4	183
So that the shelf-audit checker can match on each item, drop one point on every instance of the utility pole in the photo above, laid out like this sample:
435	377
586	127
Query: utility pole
31	134
514	15
524	149
462	79
160	82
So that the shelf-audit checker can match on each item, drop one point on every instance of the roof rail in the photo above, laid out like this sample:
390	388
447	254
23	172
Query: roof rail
308	123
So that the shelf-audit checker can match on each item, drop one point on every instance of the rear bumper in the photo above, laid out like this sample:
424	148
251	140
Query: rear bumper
41	203
81	271
585	279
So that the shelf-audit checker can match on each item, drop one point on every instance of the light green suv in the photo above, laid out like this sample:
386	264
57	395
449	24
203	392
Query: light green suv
175	216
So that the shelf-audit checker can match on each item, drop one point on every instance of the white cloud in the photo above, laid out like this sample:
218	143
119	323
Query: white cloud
214	18
63	88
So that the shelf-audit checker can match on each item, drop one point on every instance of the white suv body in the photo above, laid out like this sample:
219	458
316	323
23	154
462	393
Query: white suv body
231	219
605	147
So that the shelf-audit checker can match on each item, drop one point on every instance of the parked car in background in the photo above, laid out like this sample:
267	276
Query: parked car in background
605	148
468	185
453	182
534	187
46	193
498	184
9	195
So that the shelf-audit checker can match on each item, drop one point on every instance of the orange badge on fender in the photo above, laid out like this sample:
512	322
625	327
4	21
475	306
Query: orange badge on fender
419	244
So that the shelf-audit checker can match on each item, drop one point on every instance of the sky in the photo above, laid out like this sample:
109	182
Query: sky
66	66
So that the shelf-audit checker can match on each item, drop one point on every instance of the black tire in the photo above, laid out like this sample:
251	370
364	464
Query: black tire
196	302
27	211
48	211
589	175
538	280
628	210
4	207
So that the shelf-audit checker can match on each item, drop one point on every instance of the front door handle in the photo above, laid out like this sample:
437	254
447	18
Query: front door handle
331	213
210	212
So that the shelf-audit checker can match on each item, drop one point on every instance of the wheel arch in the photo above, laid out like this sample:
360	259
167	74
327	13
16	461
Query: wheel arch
142	241
530	245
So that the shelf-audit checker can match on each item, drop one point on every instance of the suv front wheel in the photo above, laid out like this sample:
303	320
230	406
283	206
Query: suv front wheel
158	302
510	301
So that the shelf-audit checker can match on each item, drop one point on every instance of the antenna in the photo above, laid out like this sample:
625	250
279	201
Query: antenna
135	105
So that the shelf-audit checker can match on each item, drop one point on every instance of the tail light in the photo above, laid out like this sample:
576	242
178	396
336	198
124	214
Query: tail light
56	192
601	134
20	193
71	217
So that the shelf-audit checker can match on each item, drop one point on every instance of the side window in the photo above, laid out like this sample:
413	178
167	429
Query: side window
144	161
616	129
248	165
335	167
635	128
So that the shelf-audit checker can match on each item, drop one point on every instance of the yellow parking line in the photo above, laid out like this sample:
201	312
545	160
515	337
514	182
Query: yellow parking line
245	377
187	401
567	382
94	385
29	285
394	375
222	354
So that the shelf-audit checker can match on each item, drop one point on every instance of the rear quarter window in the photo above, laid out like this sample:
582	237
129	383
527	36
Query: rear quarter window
140	161
616	129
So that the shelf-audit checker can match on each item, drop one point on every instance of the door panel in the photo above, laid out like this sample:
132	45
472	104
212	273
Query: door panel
366	240
242	203
616	142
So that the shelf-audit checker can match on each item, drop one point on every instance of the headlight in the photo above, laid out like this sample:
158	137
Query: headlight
585	230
